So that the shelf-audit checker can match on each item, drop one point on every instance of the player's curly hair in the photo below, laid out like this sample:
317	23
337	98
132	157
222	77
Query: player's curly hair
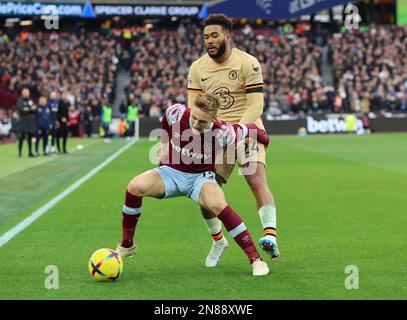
207	102
218	19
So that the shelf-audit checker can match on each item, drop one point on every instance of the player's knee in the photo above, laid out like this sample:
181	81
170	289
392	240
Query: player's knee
217	206
257	184
207	214
135	187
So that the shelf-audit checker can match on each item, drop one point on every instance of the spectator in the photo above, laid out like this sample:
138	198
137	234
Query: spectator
88	121
73	123
5	127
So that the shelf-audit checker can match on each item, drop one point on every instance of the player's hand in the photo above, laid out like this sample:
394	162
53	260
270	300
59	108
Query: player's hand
262	136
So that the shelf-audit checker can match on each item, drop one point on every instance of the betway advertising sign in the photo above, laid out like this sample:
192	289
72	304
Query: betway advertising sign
89	10
349	123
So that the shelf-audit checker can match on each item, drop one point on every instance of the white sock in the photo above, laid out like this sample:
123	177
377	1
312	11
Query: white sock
268	219
214	226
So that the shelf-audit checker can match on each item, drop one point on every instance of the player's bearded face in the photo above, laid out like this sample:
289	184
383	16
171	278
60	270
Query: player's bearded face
215	41
216	51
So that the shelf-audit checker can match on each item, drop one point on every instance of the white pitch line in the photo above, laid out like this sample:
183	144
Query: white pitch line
4	238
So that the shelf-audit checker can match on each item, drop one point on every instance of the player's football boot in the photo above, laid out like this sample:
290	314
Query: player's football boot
260	268
269	245
126	252
213	258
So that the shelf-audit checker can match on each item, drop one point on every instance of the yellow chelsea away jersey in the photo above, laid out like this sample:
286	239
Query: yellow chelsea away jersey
232	80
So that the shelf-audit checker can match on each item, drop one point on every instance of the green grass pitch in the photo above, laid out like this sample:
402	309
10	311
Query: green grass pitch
401	12
341	200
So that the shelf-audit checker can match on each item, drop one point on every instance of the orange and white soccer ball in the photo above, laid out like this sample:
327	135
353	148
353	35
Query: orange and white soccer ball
105	265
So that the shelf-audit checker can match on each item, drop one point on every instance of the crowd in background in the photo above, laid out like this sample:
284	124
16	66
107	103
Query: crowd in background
161	60
159	67
369	68
83	63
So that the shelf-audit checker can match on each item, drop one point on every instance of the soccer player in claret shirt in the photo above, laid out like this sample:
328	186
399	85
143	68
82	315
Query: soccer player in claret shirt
190	143
236	77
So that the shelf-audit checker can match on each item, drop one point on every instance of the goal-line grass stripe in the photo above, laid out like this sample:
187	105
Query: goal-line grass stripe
7	236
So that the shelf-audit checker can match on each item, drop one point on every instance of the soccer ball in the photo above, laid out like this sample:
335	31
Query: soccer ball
105	265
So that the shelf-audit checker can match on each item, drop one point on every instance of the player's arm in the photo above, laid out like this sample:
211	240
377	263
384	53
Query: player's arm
163	153
250	130
254	91
172	115
232	134
194	83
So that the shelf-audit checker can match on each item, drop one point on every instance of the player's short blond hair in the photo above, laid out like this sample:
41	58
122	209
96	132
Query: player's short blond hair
208	103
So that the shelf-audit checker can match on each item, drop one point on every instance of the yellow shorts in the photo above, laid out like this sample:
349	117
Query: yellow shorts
248	151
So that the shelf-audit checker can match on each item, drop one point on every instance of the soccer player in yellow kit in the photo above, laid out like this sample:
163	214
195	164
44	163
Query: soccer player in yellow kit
236	77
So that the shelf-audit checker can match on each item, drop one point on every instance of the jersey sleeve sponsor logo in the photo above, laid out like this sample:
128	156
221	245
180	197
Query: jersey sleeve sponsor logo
255	68
175	113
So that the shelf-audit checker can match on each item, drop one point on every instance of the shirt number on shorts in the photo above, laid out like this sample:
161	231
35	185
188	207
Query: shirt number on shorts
248	150
209	175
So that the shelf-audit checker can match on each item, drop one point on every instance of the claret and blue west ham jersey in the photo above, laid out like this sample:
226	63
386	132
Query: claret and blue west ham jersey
192	152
